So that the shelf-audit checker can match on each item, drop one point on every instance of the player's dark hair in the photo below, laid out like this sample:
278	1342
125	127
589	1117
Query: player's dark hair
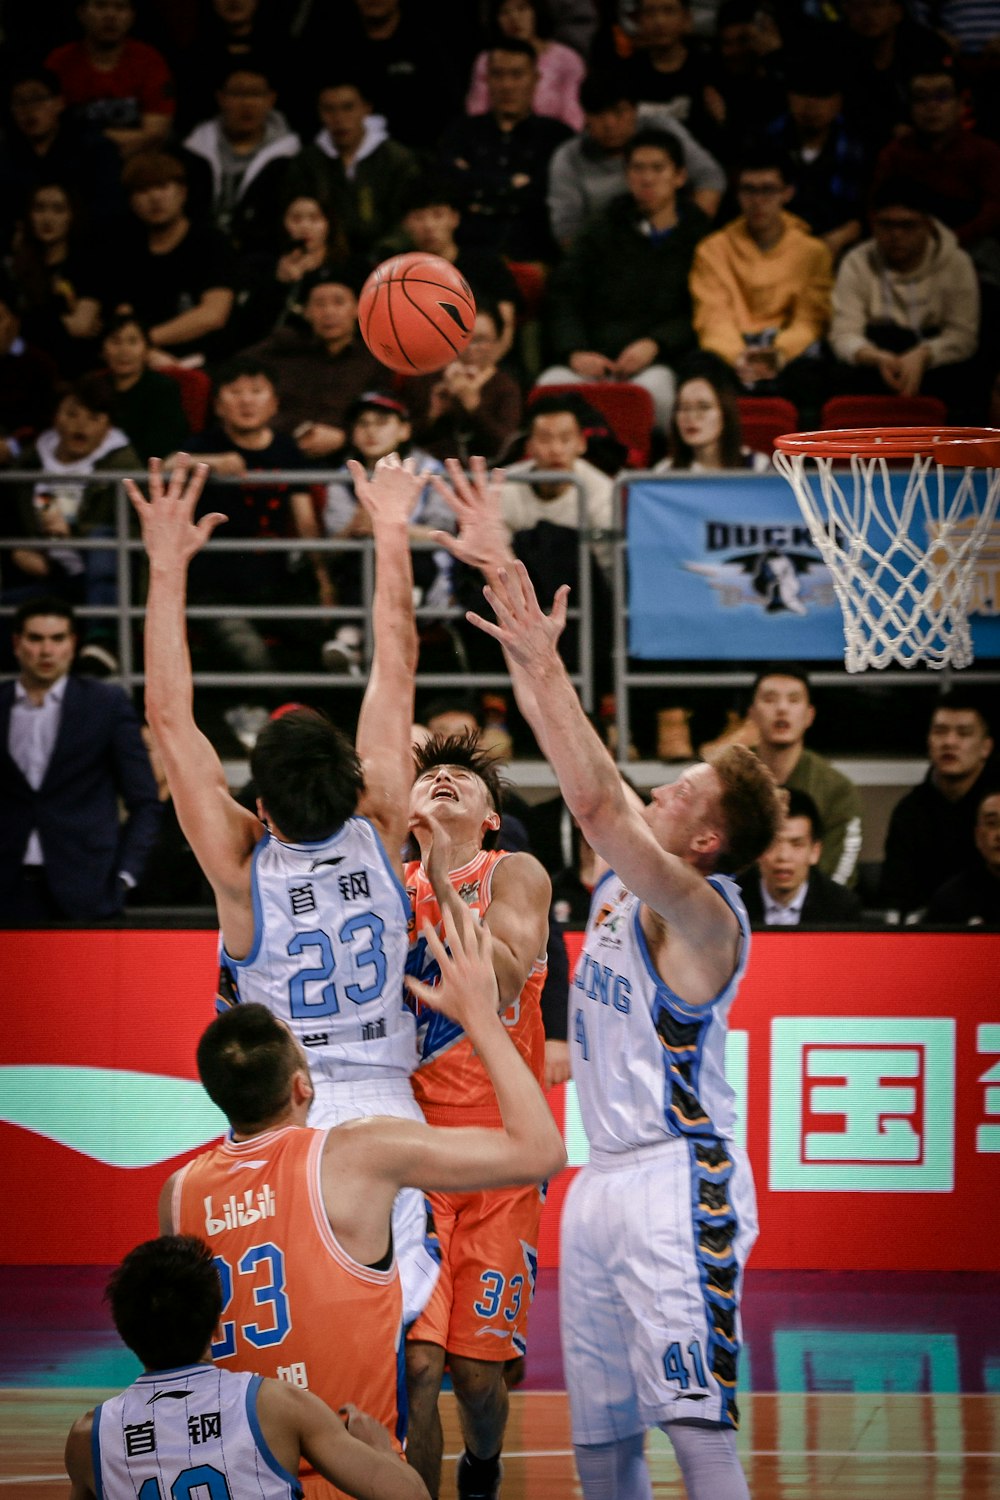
165	1299
463	750
662	140
720	377
963	702
308	775
752	807
246	1060
801	805
782	669
43	604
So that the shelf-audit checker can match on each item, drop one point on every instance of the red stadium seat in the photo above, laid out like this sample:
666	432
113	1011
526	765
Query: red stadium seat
196	394
628	408
883	411
763	418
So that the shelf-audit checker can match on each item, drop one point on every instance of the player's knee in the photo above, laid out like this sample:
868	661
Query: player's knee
478	1383
424	1370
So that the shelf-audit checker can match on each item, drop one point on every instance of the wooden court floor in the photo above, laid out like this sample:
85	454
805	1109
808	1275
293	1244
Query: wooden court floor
795	1447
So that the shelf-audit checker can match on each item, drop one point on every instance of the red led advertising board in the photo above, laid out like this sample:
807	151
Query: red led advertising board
867	1067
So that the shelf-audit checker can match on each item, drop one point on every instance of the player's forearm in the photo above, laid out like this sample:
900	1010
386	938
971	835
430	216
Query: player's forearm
169	686
394	624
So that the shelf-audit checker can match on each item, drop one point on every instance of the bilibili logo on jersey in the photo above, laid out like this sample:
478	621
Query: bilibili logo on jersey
237	1213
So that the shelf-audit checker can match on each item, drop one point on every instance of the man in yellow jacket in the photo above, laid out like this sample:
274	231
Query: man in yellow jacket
761	290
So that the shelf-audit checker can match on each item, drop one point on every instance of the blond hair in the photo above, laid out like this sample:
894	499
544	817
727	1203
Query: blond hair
752	807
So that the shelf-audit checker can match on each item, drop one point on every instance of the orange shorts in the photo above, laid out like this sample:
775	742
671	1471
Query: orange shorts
489	1259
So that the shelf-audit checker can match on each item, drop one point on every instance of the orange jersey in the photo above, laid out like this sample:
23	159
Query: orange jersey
451	1084
295	1305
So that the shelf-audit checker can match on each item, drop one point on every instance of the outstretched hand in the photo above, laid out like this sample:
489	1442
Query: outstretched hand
527	635
169	530
483	540
391	494
468	986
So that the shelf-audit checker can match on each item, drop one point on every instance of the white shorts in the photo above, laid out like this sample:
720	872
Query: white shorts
416	1249
654	1243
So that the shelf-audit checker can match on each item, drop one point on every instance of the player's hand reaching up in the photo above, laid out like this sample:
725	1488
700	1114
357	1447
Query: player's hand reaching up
483	540
468	989
391	494
527	635
170	533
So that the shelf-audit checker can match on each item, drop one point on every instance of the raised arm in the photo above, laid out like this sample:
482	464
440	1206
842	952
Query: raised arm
588	778
221	833
386	718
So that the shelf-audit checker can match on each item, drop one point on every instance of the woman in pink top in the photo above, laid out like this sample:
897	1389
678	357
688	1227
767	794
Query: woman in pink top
560	69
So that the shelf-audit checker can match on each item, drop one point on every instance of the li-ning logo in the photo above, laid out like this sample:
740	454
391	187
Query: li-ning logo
237	1213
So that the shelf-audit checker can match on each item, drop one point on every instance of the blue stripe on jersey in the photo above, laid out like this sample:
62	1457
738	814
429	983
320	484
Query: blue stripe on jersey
258	913
95	1450
263	1448
715	1225
402	1401
401	888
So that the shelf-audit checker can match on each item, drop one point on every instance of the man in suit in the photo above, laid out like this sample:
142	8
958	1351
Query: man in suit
786	887
70	747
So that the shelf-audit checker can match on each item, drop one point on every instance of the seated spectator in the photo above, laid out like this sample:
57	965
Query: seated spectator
321	368
432	223
271	284
878	52
172	876
588	172
42	146
230	32
379	425
667	67
828	165
119	85
930	836
397	45
498	162
555	442
972	898
174	274
355	166
957	170
82	441
705	429
747	71
781	711
147	403
761	289
472	406
618	306
247	146
54	267
560	68
27	381
906	308
786	887
244	440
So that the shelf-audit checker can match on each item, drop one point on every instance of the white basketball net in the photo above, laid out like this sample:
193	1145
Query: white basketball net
903	601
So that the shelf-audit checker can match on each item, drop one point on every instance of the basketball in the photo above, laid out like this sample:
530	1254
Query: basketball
416	313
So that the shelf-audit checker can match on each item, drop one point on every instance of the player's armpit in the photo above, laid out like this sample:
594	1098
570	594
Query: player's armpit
518	920
165	1205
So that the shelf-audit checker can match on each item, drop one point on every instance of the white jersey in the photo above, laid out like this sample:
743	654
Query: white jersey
647	1067
329	946
183	1434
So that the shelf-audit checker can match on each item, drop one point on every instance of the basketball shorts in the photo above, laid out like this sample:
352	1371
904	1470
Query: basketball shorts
413	1237
653	1247
489	1262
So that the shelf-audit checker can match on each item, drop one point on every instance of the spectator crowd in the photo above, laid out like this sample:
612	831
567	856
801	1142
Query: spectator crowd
707	201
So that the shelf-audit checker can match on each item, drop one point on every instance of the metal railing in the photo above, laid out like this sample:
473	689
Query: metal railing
126	613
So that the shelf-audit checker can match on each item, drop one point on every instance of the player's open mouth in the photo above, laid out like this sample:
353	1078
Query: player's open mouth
444	792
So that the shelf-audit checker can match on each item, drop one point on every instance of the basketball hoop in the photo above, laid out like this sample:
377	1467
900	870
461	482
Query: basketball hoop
901	548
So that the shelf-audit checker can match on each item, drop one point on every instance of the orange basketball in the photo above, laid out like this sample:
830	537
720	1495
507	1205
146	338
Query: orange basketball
416	313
